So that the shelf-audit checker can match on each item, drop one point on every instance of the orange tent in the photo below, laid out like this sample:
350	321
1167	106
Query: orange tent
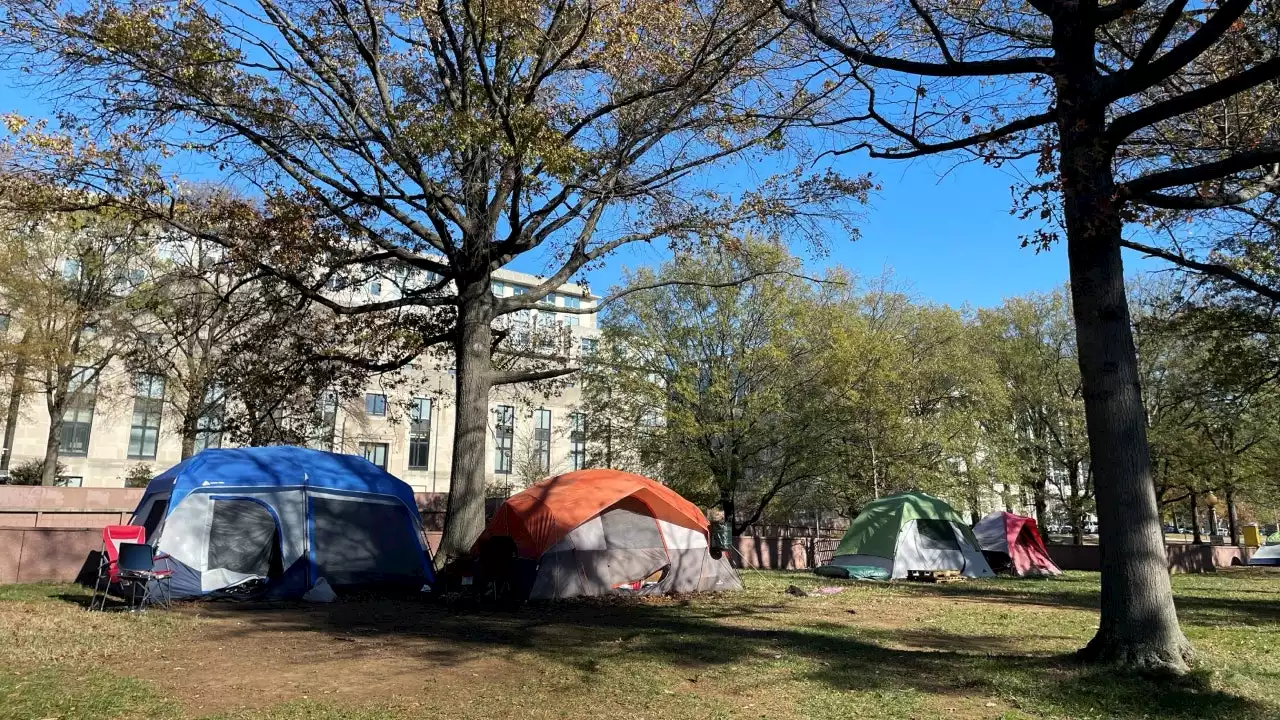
540	516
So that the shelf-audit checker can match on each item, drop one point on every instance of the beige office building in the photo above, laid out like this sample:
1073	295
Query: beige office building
403	423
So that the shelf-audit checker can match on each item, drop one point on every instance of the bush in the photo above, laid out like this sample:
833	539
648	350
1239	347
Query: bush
138	476
28	473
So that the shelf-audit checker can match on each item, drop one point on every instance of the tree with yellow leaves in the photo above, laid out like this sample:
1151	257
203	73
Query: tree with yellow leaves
447	138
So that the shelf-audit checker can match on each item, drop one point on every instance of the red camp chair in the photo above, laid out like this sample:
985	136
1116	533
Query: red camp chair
127	561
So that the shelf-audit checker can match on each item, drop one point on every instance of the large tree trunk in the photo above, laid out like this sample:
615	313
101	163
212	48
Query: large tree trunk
1077	505
49	469
464	518
1040	496
1138	625
190	428
56	402
730	508
1232	521
1195	521
16	391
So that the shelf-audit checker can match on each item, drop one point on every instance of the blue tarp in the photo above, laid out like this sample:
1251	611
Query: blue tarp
276	466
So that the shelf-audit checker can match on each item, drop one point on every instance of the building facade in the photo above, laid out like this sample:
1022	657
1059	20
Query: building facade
404	421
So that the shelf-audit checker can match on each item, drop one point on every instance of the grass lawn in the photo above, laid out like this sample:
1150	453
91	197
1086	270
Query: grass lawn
989	649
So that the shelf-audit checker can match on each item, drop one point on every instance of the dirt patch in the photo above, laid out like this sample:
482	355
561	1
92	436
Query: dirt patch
250	656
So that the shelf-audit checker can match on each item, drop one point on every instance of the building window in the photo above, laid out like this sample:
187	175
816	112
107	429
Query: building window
571	320
518	289
588	345
375	287
577	441
405	276
375	404
420	433
328	412
71	269
505	432
542	440
4	322
147	403
375	453
77	419
572	301
499	289
209	424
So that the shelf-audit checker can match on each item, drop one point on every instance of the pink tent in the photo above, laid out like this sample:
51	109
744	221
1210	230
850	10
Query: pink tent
1013	541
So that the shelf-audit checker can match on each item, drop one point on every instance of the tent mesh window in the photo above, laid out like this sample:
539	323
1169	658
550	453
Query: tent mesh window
242	537
936	534
363	542
629	528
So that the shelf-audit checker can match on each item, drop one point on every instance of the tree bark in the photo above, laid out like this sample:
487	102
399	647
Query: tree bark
1040	496
49	469
56	402
1077	510
1138	625
729	506
189	432
464	518
1195	521
1233	525
16	390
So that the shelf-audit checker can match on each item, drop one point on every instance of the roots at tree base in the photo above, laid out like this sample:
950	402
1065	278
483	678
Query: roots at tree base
1170	655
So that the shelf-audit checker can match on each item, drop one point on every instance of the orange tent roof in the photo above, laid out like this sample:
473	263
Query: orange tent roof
538	517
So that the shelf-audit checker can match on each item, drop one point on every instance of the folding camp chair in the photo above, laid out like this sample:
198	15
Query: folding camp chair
137	566
136	569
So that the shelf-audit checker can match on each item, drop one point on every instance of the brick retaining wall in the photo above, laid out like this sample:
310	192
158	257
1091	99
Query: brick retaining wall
1182	558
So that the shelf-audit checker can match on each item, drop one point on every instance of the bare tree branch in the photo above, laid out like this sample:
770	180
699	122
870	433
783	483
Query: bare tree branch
1260	74
980	68
513	377
1205	172
1208	268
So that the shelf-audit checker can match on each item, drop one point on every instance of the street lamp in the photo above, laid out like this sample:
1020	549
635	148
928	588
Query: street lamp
1211	502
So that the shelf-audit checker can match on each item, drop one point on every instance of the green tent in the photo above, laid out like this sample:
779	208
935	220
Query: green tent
1273	538
910	531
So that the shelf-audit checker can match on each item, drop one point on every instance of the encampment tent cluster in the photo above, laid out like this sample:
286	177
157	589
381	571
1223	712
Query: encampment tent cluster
915	531
282	521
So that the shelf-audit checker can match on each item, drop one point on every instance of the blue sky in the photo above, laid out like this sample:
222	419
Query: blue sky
945	233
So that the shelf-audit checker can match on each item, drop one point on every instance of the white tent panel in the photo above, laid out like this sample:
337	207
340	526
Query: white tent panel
992	534
623	546
919	551
1266	555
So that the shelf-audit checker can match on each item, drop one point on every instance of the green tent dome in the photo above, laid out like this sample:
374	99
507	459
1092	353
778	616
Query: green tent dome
910	531
875	530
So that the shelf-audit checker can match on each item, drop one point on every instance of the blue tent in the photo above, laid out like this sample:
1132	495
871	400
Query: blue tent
279	519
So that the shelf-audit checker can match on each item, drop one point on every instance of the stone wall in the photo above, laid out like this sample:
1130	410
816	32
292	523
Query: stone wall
1182	558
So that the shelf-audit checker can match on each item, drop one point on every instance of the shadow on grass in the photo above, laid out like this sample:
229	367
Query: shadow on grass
1194	608
746	637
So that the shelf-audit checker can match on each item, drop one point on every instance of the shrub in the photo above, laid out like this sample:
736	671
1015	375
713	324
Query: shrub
28	473
138	476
